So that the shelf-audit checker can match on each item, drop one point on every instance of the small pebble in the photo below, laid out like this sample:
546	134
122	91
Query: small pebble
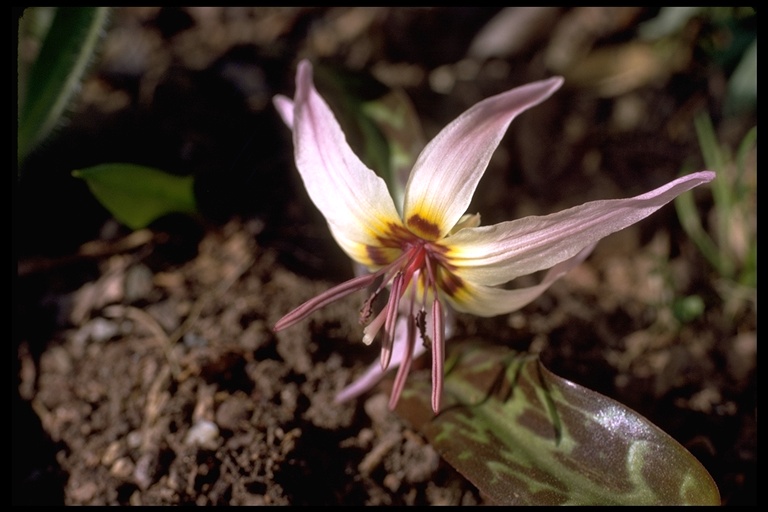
203	433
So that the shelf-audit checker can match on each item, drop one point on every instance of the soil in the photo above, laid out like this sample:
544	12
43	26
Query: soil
145	367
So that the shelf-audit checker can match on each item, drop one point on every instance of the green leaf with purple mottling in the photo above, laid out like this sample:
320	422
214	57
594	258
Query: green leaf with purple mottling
525	436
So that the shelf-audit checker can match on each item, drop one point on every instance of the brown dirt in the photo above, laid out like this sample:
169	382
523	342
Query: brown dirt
145	367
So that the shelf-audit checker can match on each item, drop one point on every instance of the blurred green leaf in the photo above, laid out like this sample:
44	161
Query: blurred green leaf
742	86
136	195
525	436
732	247
669	21
50	83
688	214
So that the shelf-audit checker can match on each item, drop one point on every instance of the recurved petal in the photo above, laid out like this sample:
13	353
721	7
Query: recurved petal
352	198
496	254
374	373
489	301
446	174
284	107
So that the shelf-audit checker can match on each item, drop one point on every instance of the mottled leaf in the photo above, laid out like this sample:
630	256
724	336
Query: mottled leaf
525	436
137	195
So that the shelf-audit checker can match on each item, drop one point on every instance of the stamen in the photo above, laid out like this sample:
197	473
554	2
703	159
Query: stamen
431	277
325	298
438	354
405	364
367	308
414	268
392	308
372	329
421	324
340	291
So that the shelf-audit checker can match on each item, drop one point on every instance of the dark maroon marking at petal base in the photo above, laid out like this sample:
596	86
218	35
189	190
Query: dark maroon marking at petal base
424	227
377	255
450	283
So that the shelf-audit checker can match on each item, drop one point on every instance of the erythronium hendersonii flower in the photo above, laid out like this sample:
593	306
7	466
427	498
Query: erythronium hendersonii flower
429	254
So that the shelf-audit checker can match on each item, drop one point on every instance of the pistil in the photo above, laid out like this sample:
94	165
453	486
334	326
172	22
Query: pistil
418	261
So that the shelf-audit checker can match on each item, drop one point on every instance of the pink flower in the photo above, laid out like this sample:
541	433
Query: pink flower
427	252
